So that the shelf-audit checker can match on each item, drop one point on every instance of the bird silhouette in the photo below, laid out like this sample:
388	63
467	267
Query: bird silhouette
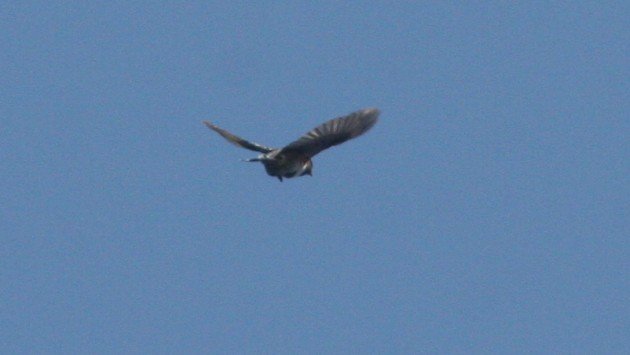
295	159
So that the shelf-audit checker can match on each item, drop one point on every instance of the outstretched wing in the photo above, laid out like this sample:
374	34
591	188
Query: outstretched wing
334	132
238	140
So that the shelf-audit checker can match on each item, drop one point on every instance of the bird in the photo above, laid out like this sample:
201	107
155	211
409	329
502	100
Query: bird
295	159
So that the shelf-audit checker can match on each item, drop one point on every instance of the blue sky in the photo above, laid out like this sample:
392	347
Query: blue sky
486	212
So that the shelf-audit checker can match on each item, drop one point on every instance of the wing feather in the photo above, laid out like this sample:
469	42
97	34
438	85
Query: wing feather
238	141
334	132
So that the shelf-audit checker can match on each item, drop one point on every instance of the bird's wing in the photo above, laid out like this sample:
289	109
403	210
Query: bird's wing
333	132
238	140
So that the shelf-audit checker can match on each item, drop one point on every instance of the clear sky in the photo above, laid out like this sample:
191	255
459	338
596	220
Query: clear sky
487	211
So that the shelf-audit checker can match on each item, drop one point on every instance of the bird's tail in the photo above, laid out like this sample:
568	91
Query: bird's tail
262	158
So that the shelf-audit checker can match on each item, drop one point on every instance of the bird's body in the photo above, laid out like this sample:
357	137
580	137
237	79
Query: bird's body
295	159
286	165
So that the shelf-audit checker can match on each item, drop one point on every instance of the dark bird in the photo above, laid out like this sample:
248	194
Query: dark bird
295	159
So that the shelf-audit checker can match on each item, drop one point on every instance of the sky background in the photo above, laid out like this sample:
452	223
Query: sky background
487	211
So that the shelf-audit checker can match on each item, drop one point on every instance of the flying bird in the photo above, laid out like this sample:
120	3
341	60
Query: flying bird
295	158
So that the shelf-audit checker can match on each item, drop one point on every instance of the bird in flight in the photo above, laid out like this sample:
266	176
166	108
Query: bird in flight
295	158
